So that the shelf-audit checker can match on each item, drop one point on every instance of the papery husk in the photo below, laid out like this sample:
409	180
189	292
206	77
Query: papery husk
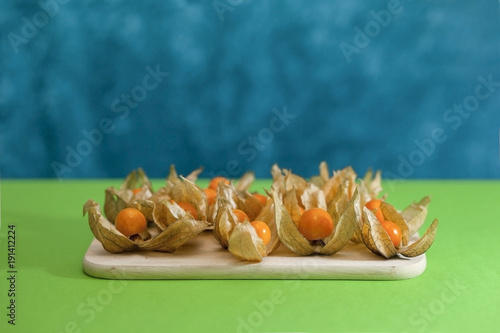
344	228
370	186
135	179
115	201
284	180
231	235
374	236
391	214
297	182
245	244
291	204
168	240
182	189
277	174
290	235
105	232
224	221
288	232
162	213
242	200
415	215
312	197
245	182
323	177
161	194
175	235
193	176
339	202
379	242
249	204
423	244
345	177
145	206
118	199
267	215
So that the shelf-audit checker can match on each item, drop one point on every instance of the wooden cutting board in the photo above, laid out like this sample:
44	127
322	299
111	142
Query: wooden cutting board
203	258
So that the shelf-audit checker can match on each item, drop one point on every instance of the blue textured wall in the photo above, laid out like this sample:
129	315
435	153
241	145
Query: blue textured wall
398	86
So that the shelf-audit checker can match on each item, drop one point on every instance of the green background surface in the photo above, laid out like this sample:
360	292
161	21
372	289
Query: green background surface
458	292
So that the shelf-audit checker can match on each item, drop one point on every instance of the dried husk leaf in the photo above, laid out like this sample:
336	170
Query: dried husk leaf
187	191
375	237
175	235
338	203
288	232
224	222
249	204
312	197
105	232
227	192
267	215
423	244
291	205
391	214
224	191
183	189
162	213
193	176
146	207
245	182
172	174
115	201
160	195
415	215
277	174
145	235
296	182
242	199
346	177
245	244
344	228
135	179
118	199
323	176
370	186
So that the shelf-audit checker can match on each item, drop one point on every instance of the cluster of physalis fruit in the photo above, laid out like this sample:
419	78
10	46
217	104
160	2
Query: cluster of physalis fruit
319	215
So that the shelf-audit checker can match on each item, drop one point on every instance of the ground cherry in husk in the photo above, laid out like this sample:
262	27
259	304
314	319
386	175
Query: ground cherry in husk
315	224
187	207
262	198
130	221
394	232
214	183
374	205
211	195
241	216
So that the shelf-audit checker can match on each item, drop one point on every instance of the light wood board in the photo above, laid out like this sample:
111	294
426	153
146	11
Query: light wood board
203	258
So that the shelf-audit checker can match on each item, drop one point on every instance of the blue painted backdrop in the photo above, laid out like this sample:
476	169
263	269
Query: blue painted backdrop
97	88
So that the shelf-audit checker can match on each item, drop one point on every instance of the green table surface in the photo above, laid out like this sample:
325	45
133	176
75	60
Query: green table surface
458	292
